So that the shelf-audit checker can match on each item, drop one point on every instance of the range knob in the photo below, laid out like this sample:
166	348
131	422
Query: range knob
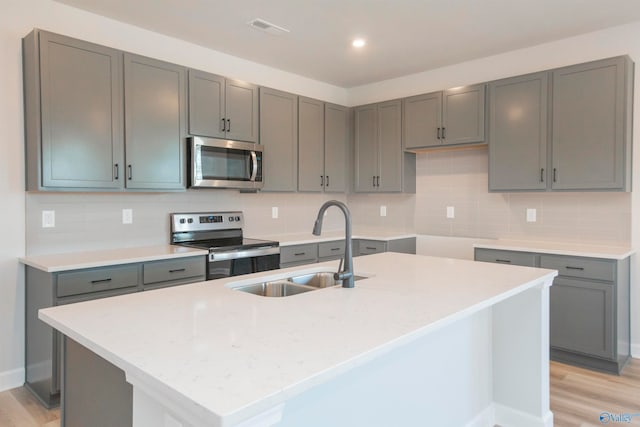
190	220
231	219
182	221
237	218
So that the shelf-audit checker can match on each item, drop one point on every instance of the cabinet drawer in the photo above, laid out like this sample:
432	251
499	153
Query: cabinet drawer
587	268
368	247
299	253
526	259
331	249
173	269
96	280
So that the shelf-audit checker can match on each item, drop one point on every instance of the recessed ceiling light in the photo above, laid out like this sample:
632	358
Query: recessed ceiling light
358	43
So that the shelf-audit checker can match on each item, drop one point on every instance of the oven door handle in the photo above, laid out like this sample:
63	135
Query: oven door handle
254	166
243	253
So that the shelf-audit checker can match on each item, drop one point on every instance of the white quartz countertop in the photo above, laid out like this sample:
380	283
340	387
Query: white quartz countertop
76	260
328	236
556	248
227	355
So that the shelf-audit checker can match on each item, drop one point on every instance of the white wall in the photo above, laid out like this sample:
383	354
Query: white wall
597	45
17	19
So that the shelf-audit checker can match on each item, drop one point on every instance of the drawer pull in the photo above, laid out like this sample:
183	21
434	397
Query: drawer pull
335	249
299	253
177	270
101	280
504	261
371	248
574	268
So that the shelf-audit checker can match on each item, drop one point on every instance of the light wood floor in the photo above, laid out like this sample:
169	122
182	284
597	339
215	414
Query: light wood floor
578	397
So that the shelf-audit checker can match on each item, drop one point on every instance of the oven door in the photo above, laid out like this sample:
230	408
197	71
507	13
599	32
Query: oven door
235	263
225	164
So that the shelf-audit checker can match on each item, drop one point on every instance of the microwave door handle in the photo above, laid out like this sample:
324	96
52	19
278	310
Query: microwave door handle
254	164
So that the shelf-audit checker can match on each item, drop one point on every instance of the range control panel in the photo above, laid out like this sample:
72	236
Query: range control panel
206	221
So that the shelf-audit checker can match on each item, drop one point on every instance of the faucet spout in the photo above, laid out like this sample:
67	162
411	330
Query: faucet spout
346	274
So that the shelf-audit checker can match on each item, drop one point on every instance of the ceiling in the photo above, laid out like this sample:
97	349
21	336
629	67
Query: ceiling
403	36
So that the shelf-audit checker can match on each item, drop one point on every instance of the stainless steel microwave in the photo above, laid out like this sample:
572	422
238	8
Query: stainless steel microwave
220	163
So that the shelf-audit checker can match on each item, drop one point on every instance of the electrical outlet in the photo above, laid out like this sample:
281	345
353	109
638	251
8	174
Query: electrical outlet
383	210
451	212
274	212
48	219
531	215
127	216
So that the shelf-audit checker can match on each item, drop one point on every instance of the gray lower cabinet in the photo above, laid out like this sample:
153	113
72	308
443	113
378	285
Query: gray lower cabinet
73	113
279	136
518	133
380	163
95	392
222	108
589	306
563	130
155	106
43	345
450	117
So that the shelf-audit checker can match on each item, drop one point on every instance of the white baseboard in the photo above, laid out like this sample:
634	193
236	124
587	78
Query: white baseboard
11	379
509	417
635	351
485	418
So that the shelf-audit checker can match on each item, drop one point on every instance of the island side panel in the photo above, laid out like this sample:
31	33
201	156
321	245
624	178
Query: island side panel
521	359
440	379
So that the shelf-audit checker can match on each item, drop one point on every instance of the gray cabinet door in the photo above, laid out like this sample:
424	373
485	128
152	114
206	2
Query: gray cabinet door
81	113
206	104
421	120
463	115
279	135
241	111
155	110
518	133
588	137
390	146
366	148
336	141
310	145
581	317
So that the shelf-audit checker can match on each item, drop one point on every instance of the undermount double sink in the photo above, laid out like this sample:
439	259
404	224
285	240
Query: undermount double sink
293	285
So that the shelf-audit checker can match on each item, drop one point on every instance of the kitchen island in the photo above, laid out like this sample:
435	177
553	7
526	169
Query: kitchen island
421	341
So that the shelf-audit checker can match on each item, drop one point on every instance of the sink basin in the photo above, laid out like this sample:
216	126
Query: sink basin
319	280
279	288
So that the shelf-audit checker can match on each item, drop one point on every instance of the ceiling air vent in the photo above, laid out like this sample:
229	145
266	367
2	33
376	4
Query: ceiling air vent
268	27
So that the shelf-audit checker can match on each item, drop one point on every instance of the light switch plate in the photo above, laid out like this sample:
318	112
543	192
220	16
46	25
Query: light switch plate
531	215
383	210
48	219
127	216
274	212
451	212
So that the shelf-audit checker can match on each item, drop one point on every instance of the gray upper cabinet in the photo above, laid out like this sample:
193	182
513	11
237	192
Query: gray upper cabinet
380	162
322	147
518	133
222	108
451	117
311	162
390	146
564	129
591	133
73	113
336	142
279	135
155	105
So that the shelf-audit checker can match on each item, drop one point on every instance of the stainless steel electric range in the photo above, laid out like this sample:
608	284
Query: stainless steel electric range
230	253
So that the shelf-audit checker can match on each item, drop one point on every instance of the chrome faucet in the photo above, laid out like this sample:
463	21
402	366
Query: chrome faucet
346	275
